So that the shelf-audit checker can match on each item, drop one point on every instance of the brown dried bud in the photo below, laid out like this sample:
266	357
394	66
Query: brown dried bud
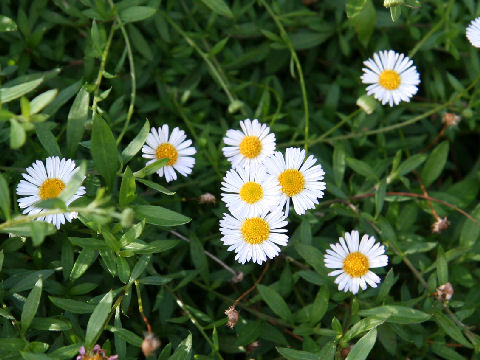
232	315
238	277
150	344
345	351
444	292
207	198
440	225
251	347
451	119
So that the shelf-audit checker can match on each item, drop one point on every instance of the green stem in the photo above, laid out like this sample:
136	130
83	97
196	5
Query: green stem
298	66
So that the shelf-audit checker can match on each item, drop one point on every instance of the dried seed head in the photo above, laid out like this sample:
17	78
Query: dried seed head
150	344
238	277
451	119
440	225
251	347
207	198
232	315
444	292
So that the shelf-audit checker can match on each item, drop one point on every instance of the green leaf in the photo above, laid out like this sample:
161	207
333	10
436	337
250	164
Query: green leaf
136	13
184	349
199	259
26	230
17	134
380	197
139	267
218	47
442	267
64	95
77	117
97	320
139	42
153	247
219	6
84	260
362	326
445	352
319	306
395	12
123	270
328	351
8	94
470	230
157	215
362	168
396	314
150	169
338	162
2	257
450	328
66	352
51	324
4	197
155	186
34	356
40	230
275	302
132	234
386	285
7	24
110	260
73	306
47	139
88	243
249	333
435	163
363	347
136	144
127	188
312	256
126	335
74	183
364	22
6	115
354	7
410	164
53	203
25	107
104	151
292	354
42	100
31	305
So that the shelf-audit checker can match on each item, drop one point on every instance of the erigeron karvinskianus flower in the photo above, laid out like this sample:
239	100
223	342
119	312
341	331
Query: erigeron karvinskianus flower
46	181
391	76
300	179
254	238
174	147
97	353
249	147
250	191
473	32
353	259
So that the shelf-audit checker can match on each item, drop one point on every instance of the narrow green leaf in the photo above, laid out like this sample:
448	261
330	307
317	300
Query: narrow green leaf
470	230
26	230
396	314
319	306
73	306
139	42
395	12
362	326
338	162
84	260
17	134
451	328
104	151
136	13
53	203
184	349
442	267
47	139
354	7
7	24
219	6
155	186
157	215
97	320
126	335
74	183
42	100
218	47
380	197
127	188
386	285
150	169
275	302
77	116
110	260
410	164
64	95
328	351
199	259
123	270
4	197
65	352
8	94
6	115
34	356
132	234
153	247
39	232
2	257
363	347
139	267
445	352
31	305
51	324
25	107
435	163
88	243
292	354
136	144
364	22
362	168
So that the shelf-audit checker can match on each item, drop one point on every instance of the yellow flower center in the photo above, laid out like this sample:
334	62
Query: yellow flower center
250	147
167	151
292	182
389	79
51	188
251	192
93	357
355	264
255	230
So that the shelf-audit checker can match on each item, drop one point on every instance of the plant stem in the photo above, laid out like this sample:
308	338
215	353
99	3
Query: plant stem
235	303
140	308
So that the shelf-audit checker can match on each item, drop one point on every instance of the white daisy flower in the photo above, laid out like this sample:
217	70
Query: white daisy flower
300	179
392	77
251	192
354	261
473	32
249	147
44	182
176	149
254	238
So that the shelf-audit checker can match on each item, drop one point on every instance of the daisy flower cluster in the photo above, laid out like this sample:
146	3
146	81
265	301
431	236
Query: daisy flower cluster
257	191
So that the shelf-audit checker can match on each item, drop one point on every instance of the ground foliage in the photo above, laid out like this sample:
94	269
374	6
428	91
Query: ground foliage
85	79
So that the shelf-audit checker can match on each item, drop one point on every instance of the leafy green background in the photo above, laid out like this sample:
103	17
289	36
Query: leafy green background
86	79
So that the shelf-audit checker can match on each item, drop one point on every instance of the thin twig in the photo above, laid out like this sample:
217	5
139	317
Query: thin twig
235	303
140	308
